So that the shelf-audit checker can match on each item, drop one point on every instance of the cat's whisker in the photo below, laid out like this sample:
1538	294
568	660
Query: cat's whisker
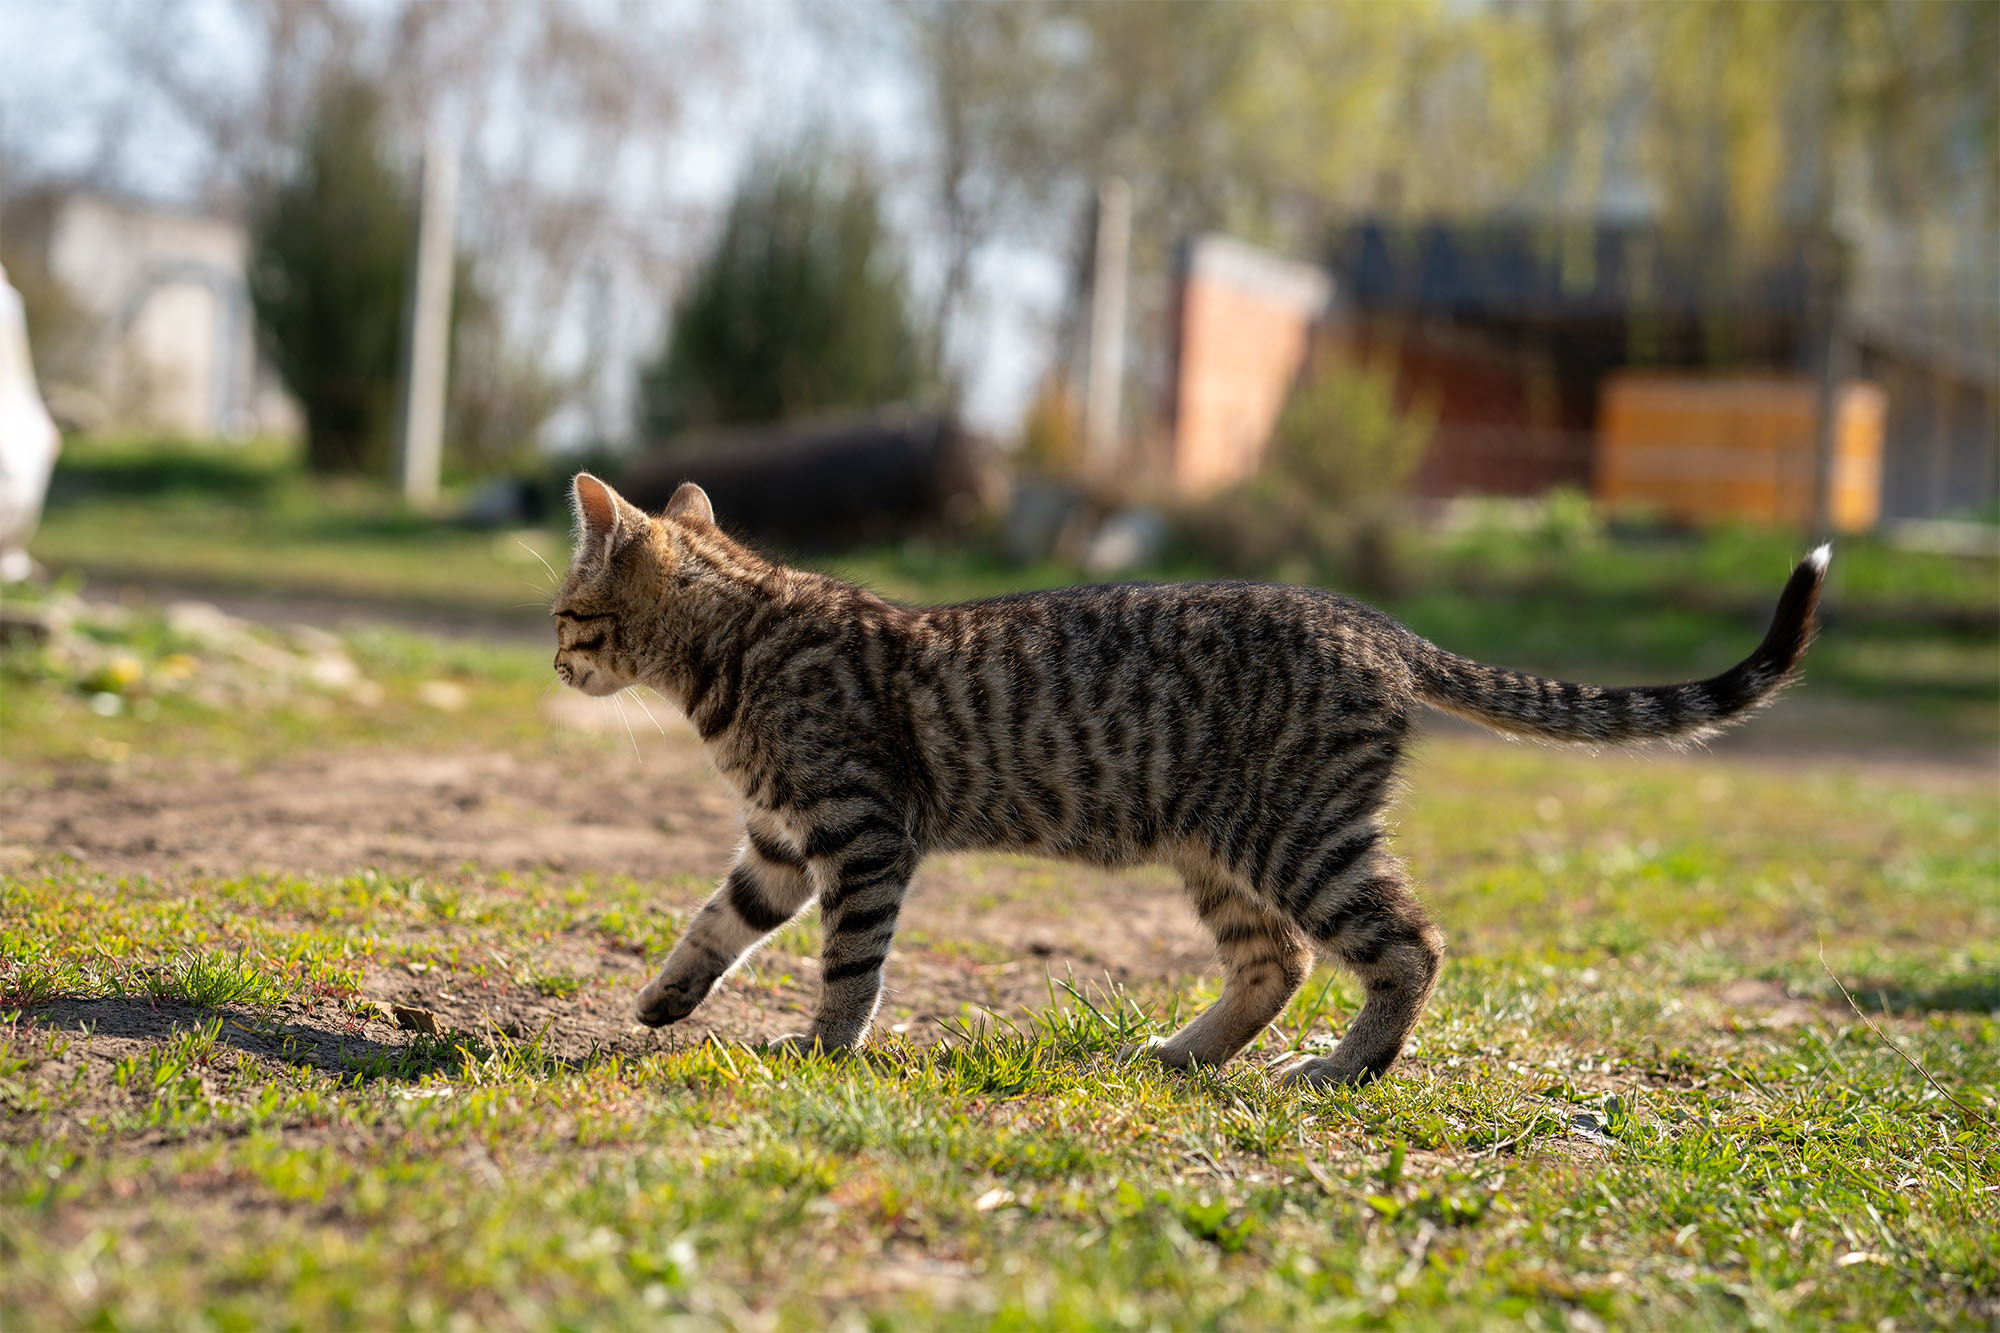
624	717
551	718
554	578
649	714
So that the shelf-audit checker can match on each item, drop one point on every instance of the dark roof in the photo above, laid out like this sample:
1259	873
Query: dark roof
1523	270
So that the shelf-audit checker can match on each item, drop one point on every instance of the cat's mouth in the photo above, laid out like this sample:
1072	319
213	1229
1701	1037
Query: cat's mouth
587	680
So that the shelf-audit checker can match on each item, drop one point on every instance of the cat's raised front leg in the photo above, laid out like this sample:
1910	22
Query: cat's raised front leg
865	868
766	888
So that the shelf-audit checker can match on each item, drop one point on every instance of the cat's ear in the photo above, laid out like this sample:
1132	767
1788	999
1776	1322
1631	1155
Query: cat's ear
690	504
597	514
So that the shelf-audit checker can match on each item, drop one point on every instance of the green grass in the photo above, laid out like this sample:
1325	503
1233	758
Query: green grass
244	517
1593	1134
1638	1099
1564	596
48	704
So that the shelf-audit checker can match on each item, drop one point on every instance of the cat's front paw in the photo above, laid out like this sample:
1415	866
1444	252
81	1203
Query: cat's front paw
1161	1049
801	1046
668	1000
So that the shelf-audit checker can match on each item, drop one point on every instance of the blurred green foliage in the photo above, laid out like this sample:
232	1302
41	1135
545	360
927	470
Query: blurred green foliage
1342	455
331	262
799	308
1342	439
330	259
1746	122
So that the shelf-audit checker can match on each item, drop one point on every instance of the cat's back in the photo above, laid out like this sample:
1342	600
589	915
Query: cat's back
1136	625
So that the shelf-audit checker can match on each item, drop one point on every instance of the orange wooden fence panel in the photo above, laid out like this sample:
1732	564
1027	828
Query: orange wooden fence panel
1698	448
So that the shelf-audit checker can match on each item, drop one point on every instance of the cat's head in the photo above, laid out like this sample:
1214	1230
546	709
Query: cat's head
608	611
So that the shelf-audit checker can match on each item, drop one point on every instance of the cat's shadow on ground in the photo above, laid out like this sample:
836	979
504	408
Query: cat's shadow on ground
306	1042
301	1040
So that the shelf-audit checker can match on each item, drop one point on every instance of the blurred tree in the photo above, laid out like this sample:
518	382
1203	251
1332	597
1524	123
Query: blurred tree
330	259
973	64
1265	120
569	188
330	263
798	308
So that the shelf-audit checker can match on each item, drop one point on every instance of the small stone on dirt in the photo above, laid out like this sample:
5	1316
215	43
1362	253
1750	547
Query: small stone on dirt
1585	1126
415	1020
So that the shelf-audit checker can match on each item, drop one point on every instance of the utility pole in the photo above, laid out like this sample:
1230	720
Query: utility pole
428	341
1832	367
1107	324
1830	268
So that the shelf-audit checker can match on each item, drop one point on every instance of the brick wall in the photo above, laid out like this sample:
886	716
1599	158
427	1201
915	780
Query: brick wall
1246	320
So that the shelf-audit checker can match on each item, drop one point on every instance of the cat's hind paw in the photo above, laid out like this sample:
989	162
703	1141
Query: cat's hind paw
1314	1071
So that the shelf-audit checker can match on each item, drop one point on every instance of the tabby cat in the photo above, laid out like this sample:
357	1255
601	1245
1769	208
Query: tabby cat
1245	734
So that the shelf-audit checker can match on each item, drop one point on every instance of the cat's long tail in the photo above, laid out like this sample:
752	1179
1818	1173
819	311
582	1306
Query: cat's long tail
1518	703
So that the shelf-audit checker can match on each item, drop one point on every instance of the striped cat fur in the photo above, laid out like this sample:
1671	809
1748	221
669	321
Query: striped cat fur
1245	734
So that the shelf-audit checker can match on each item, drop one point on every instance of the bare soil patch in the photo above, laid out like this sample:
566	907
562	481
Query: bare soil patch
984	932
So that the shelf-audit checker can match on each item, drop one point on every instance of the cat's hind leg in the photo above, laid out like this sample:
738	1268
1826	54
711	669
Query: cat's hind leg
767	887
1264	961
1365	917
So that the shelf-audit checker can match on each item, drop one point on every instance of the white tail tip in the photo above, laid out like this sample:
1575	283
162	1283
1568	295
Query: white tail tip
1821	557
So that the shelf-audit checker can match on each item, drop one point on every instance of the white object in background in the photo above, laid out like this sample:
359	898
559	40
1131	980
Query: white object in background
28	439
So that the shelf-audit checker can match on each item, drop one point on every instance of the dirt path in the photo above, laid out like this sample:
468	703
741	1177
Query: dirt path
604	813
980	930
